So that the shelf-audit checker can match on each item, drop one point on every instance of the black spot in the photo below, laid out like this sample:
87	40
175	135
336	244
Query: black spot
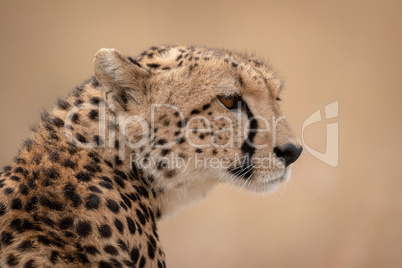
92	202
6	238
134	61
81	138
16	204
95	189
69	234
134	255
66	223
75	118
94	156
122	245
151	250
108	163
53	205
72	150
180	64
31	204
121	174
142	262
153	65
91	250
69	164
126	200
15	178
160	265
132	196
142	191
62	104
118	161
195	111
140	216
8	191
113	206
82	258
54	256
46	220
206	106
23	189
170	174
29	264
181	123
165	152
51	173
104	264
84	176
180	140
241	81
84	228
161	142
158	213
198	151
119	181
119	225
2	209
31	184
54	156
12	260
179	57
93	114
69	192
94	100
22	225
58	122
116	263
26	245
214	152
78	102
105	230
94	81
111	250
92	167
234	64
106	183
131	225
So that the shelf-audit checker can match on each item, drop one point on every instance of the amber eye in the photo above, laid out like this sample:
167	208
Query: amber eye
229	102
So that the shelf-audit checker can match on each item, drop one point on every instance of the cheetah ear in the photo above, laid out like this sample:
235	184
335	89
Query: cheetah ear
123	79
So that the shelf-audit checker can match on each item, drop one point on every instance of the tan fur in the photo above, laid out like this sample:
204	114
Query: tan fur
69	170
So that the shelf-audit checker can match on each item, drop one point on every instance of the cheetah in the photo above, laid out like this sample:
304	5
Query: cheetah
142	138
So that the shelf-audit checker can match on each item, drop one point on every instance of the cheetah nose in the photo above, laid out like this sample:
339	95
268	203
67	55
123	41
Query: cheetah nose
288	153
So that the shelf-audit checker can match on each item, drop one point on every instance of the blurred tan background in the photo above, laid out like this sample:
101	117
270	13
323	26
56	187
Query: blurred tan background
350	51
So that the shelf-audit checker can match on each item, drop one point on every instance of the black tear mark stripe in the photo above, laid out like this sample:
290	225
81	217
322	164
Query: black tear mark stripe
244	170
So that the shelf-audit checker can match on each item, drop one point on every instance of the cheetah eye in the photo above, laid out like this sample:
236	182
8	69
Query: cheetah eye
229	102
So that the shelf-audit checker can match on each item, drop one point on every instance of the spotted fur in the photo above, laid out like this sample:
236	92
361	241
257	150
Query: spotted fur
73	198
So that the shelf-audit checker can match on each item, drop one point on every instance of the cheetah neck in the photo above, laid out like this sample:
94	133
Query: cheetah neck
67	143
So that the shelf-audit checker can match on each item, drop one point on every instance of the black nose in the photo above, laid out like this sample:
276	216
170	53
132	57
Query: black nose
288	153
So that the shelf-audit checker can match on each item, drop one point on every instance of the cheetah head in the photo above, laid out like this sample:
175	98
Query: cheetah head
195	116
